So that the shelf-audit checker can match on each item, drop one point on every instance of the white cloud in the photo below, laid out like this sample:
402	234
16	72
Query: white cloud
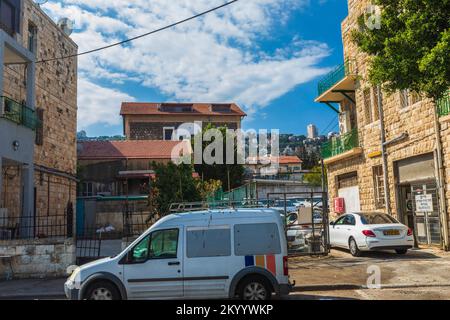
99	104
215	58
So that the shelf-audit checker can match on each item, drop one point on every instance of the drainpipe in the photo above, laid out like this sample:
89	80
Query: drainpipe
387	198
441	179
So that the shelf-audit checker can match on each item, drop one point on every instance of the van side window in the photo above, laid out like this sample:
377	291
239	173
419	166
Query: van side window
211	242
256	239
164	244
140	251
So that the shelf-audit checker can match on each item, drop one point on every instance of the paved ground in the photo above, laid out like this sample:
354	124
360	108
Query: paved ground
421	274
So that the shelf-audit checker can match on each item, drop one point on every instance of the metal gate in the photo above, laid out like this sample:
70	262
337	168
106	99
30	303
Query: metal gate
426	213
306	221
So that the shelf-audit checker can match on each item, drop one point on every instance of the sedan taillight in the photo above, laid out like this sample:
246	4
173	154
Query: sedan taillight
369	233
410	233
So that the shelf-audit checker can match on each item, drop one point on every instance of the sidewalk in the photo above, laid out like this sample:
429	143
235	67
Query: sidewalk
28	289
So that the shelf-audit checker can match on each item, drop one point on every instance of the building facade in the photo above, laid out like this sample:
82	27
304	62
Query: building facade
412	125
123	168
158	121
312	131
38	111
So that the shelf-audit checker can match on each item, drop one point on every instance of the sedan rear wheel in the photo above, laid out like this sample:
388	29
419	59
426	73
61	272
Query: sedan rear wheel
354	248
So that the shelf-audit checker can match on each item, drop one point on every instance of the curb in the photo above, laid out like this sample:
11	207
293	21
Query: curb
337	287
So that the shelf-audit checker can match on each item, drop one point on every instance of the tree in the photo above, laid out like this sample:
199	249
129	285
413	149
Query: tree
208	188
174	183
314	177
412	48
229	174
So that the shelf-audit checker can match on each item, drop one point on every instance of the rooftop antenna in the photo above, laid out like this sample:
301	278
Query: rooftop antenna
66	25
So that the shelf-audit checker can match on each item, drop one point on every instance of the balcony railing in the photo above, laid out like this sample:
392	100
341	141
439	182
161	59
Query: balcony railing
339	145
18	113
336	75
444	105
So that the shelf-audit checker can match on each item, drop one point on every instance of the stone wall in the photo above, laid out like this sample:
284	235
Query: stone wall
416	119
56	95
43	258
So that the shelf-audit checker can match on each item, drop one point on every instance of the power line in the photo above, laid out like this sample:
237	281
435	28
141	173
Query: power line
329	125
142	35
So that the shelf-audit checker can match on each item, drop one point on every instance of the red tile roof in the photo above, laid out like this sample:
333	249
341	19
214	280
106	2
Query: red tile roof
152	108
129	149
280	159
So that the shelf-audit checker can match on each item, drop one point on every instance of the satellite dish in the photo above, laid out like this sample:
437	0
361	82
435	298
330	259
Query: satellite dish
66	25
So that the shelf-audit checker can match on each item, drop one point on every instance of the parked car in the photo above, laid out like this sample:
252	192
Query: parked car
296	238
370	231
191	256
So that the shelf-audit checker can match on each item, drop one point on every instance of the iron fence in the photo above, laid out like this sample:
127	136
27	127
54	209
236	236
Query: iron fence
36	226
336	75
18	113
339	145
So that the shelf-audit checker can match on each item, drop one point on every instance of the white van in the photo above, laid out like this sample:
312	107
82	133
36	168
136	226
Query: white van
197	255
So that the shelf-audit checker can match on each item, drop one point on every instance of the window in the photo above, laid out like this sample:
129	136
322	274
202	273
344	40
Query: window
408	98
370	96
168	133
32	37
140	251
367	105
378	183
88	189
211	242
256	239
40	127
376	218
347	220
163	244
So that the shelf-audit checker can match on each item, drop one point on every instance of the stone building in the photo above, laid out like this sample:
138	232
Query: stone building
123	168
354	159
38	111
158	121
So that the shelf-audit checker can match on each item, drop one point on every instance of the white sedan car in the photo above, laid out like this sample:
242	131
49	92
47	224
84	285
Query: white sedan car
370	231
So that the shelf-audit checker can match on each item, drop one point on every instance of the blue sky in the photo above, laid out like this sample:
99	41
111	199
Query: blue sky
266	55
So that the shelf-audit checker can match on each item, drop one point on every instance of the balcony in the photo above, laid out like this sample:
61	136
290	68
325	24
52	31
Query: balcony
444	105
338	148
18	113
341	80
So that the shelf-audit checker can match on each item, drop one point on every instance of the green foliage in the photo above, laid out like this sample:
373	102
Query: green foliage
221	171
174	184
412	48
208	188
314	177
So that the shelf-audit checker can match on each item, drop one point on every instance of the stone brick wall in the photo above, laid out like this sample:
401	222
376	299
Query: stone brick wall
417	120
43	258
56	95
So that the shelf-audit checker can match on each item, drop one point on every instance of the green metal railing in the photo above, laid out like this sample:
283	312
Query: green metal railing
18	113
338	145
336	75
444	105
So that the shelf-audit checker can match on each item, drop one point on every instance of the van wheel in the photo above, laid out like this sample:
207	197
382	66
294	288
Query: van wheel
354	248
254	288
102	290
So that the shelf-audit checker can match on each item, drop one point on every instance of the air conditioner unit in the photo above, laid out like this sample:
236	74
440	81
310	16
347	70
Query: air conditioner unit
344	122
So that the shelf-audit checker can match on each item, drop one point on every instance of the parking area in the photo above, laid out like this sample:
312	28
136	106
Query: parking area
420	274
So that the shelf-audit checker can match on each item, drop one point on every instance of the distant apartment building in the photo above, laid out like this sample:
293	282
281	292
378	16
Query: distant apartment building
38	112
354	158
158	121
312	131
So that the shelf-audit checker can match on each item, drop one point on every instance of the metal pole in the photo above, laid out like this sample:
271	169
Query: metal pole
387	199
441	181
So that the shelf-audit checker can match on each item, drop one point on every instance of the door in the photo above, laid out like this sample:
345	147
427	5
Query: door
336	232
426	213
155	266
348	189
207	262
